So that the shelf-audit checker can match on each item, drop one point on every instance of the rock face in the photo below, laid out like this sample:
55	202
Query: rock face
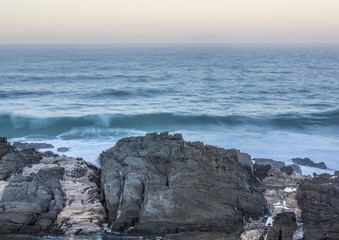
271	162
318	199
160	184
37	190
309	162
284	225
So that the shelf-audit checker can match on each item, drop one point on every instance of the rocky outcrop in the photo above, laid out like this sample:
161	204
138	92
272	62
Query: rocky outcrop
160	184
271	162
309	162
45	193
32	145
284	225
318	199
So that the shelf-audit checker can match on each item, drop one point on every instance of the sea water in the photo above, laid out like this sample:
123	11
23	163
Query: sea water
276	102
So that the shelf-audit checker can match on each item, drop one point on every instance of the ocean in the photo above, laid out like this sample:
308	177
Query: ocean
276	102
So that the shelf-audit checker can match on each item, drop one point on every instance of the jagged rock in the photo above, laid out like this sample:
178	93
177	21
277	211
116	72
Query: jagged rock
161	184
28	199
309	162
44	193
318	199
15	160
284	225
25	145
287	169
261	171
271	162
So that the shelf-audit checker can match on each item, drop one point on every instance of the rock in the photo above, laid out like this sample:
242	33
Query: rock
5	147
15	160
261	171
63	149
318	199
309	162
245	159
271	162
160	184
284	225
24	145
336	173
296	168
28	200
287	169
45	193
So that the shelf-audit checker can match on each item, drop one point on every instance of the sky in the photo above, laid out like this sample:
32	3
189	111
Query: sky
168	21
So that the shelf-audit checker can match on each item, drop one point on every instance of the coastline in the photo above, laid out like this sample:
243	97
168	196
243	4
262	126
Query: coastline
280	188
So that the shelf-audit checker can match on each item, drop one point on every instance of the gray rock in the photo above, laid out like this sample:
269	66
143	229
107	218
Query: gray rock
25	145
296	168
15	160
28	199
309	162
271	162
289	170
318	199
284	225
63	149
160	184
261	171
45	193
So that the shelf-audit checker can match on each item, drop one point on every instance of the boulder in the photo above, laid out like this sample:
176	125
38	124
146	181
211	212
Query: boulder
318	199
261	171
271	162
284	225
45	193
289	170
309	162
161	184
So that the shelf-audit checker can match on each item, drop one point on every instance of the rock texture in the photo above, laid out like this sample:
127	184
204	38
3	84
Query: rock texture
37	190
309	162
32	145
318	199
284	225
160	184
271	162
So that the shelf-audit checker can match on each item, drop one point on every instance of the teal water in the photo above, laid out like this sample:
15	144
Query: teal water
278	102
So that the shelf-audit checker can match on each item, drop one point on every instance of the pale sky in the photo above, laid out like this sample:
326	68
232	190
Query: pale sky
168	21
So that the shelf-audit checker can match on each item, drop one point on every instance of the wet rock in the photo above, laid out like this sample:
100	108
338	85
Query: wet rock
161	184
24	145
296	168
318	199
63	149
271	162
309	162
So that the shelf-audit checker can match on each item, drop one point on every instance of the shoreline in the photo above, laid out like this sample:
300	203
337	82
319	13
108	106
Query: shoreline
280	188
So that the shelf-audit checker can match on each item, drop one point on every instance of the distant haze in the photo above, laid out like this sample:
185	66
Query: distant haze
168	21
